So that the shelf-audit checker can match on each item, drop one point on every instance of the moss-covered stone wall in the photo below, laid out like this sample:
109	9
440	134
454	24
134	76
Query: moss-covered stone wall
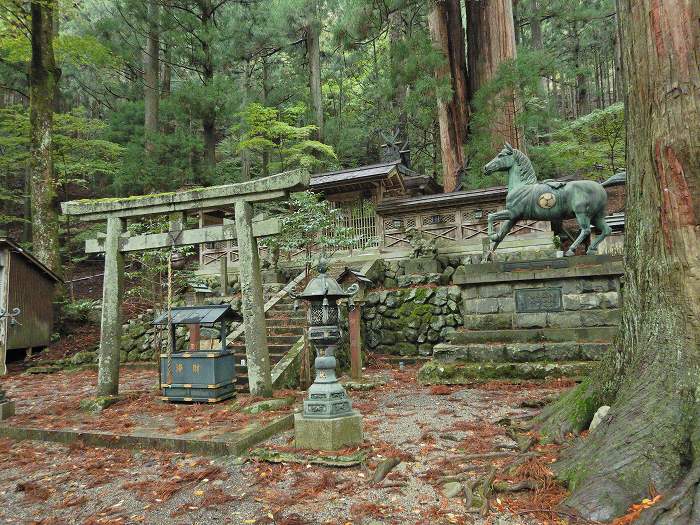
409	322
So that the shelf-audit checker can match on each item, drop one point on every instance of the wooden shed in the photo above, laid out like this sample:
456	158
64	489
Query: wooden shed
27	284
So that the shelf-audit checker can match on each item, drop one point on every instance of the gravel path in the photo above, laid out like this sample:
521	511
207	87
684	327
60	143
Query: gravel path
430	429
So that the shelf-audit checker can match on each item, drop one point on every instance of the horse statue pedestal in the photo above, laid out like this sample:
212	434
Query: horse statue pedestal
531	319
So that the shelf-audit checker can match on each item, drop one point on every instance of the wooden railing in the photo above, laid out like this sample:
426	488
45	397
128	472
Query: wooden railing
447	224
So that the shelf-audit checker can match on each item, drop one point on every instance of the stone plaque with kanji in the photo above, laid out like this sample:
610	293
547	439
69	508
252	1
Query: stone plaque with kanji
531	300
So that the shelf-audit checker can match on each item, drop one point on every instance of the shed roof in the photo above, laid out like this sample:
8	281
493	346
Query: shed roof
205	315
9	243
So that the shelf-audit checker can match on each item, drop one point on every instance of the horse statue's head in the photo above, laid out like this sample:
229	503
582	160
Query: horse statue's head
510	158
501	162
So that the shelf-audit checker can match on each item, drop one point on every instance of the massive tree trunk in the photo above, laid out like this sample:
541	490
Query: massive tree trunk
313	52
151	70
44	76
651	437
447	34
491	41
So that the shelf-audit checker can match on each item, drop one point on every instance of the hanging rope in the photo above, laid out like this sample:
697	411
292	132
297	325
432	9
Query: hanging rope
171	335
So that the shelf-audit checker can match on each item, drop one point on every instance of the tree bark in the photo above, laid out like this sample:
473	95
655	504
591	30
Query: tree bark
44	76
209	114
490	42
151	71
396	35
537	40
313	52
451	117
651	436
167	75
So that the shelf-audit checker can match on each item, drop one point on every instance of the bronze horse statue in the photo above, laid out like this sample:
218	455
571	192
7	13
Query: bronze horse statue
554	201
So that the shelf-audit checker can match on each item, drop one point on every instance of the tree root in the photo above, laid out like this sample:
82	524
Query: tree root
680	492
384	468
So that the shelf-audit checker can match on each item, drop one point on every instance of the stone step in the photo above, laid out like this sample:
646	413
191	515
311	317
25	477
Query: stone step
535	335
519	352
297	331
286	339
285	307
285	321
272	347
436	373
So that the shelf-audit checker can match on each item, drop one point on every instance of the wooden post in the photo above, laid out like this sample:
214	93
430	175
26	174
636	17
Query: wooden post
354	318
195	336
257	354
111	326
223	273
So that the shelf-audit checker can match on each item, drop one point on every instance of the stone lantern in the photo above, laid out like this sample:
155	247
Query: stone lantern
328	421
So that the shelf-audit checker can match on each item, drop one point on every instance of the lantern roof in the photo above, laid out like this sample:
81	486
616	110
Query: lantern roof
323	286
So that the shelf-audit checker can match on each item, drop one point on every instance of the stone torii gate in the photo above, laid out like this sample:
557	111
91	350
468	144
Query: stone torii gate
176	204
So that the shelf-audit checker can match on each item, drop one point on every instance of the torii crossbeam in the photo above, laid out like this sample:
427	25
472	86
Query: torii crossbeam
117	241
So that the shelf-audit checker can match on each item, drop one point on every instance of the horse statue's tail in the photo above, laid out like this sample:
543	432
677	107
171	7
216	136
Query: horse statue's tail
619	178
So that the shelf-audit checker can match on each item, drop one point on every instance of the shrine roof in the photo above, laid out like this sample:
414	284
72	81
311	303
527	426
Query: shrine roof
354	175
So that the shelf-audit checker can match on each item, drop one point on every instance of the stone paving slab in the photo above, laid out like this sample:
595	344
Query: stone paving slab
236	443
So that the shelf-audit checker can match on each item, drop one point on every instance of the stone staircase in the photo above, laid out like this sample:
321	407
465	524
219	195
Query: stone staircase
285	327
518	354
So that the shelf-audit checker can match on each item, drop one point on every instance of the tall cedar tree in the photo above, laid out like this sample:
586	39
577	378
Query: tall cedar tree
151	70
651	437
43	79
491	41
447	34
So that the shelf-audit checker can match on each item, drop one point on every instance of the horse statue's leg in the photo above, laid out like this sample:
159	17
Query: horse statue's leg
605	230
496	238
585	222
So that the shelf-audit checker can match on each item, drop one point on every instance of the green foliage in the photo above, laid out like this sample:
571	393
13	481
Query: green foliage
592	146
82	156
311	222
270	131
148	270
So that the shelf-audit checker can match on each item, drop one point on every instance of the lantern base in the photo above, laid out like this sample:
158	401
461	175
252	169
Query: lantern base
327	434
7	409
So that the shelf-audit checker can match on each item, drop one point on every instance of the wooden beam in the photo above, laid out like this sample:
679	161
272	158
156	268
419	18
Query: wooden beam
273	187
154	241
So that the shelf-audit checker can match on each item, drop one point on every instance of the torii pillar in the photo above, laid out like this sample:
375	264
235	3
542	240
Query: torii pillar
246	230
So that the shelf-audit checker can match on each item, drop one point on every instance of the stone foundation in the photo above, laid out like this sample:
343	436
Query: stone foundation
327	434
531	320
7	409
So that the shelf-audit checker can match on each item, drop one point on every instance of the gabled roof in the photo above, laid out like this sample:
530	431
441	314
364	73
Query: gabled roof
205	315
354	175
9	243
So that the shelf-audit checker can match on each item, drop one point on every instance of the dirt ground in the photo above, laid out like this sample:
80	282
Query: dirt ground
52	401
433	431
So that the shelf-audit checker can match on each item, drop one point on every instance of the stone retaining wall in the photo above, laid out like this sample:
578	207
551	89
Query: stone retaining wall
409	322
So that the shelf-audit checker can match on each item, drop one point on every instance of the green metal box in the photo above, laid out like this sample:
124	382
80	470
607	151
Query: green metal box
205	377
